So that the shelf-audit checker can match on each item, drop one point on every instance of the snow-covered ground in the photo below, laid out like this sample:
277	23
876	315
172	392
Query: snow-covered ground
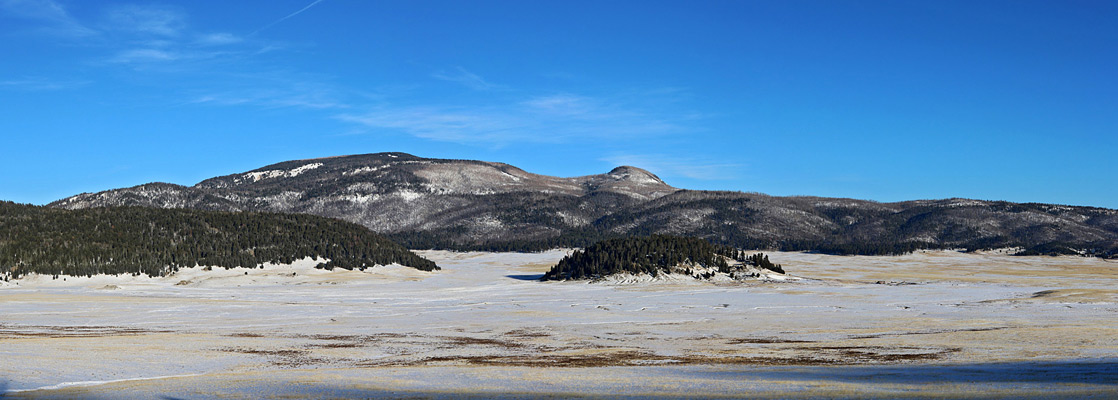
928	323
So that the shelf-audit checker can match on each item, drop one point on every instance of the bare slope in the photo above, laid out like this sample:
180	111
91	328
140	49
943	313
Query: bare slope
463	204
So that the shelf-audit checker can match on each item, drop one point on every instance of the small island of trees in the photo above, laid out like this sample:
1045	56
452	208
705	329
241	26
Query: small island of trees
658	254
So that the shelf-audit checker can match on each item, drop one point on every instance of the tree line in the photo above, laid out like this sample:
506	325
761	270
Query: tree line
156	242
652	255
736	221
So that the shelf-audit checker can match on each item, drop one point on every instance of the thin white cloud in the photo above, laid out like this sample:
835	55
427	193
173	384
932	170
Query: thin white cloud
56	20
171	59
160	40
277	90
562	104
300	11
218	39
138	35
149	35
43	84
544	119
465	78
447	125
271	99
146	19
676	166
145	56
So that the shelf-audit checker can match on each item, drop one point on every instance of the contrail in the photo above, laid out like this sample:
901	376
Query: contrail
288	16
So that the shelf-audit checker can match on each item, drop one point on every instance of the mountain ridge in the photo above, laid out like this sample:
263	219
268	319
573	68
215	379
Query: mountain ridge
481	205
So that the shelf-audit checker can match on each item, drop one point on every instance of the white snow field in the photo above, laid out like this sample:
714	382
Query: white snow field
936	324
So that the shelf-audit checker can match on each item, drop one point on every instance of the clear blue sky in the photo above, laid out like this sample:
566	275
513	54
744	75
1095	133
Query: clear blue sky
882	100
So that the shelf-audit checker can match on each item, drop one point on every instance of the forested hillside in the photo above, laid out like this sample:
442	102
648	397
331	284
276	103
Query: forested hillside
426	203
654	255
142	240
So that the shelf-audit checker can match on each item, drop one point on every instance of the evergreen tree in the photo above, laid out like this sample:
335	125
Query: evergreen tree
156	242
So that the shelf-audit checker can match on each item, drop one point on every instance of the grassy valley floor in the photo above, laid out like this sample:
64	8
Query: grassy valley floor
930	324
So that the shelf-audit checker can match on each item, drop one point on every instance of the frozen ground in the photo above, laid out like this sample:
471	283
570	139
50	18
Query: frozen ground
934	324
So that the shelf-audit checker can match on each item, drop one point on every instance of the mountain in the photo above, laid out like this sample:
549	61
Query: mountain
464	204
151	241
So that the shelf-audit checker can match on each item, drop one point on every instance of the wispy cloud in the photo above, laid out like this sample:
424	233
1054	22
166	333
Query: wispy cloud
159	40
300	11
144	55
561	104
277	89
56	20
149	35
156	39
543	119
273	98
178	56
443	124
676	166
218	39
146	19
465	78
138	34
43	84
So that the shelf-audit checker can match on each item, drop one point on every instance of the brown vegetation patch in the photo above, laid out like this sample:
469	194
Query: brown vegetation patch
90	331
765	341
1076	296
357	340
928	332
818	355
264	352
879	354
641	358
279	357
245	335
336	337
895	283
737	360
473	341
296	362
345	345
620	358
339	341
388	335
524	333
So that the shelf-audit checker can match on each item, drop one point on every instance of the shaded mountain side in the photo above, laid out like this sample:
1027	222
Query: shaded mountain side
397	192
155	242
847	226
477	205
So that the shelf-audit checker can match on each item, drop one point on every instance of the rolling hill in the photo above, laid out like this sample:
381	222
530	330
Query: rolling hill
477	205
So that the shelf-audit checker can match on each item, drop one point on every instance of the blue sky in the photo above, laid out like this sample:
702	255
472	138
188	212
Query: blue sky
891	100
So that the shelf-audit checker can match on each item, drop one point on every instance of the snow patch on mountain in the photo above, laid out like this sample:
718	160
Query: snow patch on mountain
364	170
278	173
409	195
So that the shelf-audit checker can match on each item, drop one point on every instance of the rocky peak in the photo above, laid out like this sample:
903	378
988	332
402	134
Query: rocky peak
634	175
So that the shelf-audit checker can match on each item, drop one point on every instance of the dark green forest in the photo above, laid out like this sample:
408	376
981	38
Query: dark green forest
156	242
651	255
443	239
749	221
